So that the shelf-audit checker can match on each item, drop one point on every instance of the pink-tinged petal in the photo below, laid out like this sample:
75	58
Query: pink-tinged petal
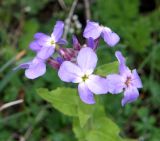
130	94
45	52
87	60
69	72
115	83
123	69
36	68
136	81
97	84
40	35
92	30
58	31
111	38
75	42
34	46
85	94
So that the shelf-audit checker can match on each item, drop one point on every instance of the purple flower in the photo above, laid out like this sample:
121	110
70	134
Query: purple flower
126	80
94	30
45	45
82	73
34	68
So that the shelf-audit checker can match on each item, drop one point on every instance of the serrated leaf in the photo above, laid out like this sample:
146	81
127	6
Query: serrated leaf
106	69
63	99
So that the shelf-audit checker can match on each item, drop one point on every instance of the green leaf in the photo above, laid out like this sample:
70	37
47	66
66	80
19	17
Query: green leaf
85	112
107	68
64	100
104	129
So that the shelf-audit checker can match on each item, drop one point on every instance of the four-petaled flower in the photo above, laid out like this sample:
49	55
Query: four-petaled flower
77	64
126	80
45	45
94	30
82	73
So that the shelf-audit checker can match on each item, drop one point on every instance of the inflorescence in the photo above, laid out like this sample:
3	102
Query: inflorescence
77	64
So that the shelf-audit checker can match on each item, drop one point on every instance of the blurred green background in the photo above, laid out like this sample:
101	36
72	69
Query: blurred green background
138	24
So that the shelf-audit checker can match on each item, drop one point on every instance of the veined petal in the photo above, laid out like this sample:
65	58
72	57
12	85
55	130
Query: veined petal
97	84
92	30
110	37
130	94
34	46
87	60
46	52
115	83
85	94
58	31
36	68
69	72
136	81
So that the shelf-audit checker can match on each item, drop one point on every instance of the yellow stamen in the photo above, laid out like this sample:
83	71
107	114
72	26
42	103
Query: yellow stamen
84	78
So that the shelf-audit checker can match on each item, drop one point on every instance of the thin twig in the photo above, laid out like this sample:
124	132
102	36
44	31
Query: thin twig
68	19
7	105
87	9
62	4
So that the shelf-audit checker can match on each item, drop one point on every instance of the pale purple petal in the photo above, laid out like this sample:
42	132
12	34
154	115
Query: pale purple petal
120	57
36	68
97	84
87	60
46	52
136	81
62	42
92	30
58	31
115	83
69	72
40	35
22	66
34	46
123	69
130	94
85	94
110	37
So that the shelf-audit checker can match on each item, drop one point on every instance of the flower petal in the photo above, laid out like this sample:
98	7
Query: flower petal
85	94
123	69
62	42
115	83
97	84
130	94
87	60
70	72
22	66
111	38
36	68
34	46
58	31
46	52
136	81
40	35
92	30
